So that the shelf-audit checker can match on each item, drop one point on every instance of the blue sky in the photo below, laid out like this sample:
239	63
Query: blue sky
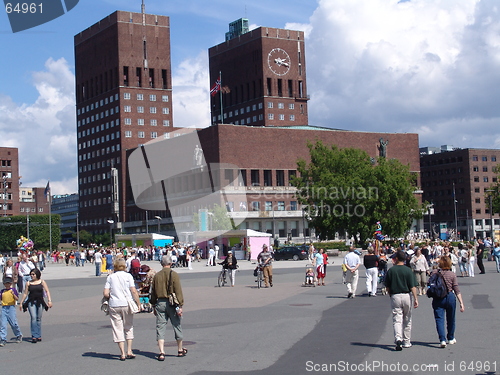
421	66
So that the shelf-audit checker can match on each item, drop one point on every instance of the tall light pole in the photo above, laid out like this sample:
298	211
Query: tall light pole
490	198
159	219
77	233
5	195
111	222
430	211
455	206
147	227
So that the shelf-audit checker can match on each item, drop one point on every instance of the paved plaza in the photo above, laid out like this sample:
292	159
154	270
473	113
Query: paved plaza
287	329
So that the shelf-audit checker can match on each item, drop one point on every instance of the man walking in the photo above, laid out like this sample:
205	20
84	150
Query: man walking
265	259
400	282
480	254
97	262
352	263
165	283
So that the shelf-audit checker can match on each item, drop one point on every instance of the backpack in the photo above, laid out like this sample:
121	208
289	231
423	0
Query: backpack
436	286
135	267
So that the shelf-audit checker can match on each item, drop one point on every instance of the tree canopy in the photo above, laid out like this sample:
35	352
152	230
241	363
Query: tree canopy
12	227
344	190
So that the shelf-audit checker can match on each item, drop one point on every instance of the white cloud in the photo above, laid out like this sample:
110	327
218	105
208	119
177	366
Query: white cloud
44	131
190	86
421	65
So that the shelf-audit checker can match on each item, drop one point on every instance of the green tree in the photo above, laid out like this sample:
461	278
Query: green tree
347	191
13	227
85	237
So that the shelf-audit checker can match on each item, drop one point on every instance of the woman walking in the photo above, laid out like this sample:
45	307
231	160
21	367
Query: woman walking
320	267
420	268
35	303
119	289
446	307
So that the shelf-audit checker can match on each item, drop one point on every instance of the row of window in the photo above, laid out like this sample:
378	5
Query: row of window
32	209
152	97
96	129
483	158
94	166
96	190
141	134
268	206
99	140
140	121
98	116
98	153
98	103
250	120
5	163
140	109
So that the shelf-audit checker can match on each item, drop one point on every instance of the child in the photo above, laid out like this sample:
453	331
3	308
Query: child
9	296
309	276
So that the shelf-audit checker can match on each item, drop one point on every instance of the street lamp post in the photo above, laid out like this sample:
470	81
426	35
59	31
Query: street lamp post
147	227
111	222
430	211
490	198
5	195
159	219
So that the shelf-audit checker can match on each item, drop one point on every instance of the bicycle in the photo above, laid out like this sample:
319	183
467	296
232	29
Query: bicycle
221	280
260	276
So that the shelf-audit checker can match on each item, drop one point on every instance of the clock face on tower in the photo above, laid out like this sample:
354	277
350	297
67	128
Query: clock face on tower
278	61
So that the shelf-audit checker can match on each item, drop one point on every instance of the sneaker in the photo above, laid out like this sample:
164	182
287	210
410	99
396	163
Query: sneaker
452	341
2	343
407	345
398	346
442	344
19	339
349	295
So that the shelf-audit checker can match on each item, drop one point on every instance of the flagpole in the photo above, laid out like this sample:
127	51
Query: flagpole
220	95
50	221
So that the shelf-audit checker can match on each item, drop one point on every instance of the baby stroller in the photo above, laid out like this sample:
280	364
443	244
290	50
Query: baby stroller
309	277
143	285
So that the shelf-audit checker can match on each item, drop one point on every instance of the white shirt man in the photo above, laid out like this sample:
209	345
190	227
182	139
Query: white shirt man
216	249
352	262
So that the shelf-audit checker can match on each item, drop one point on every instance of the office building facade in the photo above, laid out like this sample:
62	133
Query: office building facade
123	100
456	183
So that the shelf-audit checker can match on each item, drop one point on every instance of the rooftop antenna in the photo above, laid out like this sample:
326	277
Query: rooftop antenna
143	11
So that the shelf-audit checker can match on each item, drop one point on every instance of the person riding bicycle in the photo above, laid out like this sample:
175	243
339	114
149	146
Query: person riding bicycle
230	264
265	259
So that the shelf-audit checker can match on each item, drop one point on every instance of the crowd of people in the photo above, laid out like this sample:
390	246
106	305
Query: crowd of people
417	271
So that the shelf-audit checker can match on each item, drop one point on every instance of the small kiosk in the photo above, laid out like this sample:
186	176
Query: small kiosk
245	243
143	239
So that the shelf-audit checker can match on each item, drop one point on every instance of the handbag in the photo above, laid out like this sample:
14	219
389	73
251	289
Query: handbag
464	260
132	306
172	298
105	306
344	267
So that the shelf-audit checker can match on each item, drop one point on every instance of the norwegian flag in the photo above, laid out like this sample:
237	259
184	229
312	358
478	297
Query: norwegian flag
216	87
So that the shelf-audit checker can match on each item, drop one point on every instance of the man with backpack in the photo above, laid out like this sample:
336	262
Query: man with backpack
133	264
401	285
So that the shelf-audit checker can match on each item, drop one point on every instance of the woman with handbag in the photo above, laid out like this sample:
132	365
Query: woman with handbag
167	299
122	294
33	301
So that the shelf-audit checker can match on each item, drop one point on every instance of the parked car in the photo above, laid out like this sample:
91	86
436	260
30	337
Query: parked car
290	252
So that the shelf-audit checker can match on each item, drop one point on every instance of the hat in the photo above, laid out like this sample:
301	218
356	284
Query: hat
410	252
7	280
229	251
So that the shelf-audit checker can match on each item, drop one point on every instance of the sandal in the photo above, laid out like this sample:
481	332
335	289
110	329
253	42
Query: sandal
122	358
182	353
161	357
130	356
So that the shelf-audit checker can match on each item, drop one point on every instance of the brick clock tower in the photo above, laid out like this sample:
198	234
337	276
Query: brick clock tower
263	77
